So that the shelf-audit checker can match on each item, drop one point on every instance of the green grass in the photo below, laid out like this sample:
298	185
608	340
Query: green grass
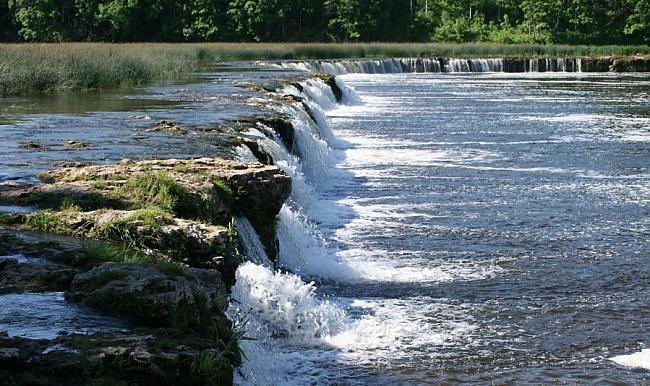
100	251
80	66
213	367
138	230
5	219
97	252
225	192
90	201
157	189
47	221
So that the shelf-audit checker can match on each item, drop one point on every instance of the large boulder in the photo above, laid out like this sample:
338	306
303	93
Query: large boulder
151	296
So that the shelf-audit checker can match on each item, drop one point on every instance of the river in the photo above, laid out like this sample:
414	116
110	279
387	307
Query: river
449	227
488	228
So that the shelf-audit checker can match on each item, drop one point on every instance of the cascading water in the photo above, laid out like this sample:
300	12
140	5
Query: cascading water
295	328
276	308
432	65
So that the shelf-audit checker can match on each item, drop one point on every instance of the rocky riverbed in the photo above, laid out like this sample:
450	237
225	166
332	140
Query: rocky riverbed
151	242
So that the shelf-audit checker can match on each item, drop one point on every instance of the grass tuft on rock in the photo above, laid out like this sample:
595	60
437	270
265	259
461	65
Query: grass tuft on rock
140	229
224	191
5	219
47	221
97	252
155	189
214	367
100	251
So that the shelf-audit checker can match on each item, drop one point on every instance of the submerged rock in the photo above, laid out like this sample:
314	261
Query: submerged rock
167	126
32	145
76	144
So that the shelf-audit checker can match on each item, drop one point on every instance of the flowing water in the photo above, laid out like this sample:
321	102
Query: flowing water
488	228
444	226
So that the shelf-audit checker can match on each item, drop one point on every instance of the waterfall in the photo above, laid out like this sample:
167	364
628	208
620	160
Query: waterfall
429	65
279	309
250	242
300	336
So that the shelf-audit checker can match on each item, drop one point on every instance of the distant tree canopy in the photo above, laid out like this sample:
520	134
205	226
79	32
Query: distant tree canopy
502	21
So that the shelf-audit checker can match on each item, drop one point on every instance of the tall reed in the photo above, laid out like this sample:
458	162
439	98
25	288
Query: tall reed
79	66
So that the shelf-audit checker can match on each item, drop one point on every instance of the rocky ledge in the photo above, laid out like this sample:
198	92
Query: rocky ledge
153	242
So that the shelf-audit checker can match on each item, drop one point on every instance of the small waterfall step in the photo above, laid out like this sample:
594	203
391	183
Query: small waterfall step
432	65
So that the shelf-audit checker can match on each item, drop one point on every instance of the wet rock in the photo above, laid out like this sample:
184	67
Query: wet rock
150	296
630	64
281	125
76	144
596	64
141	357
32	145
69	164
40	276
330	80
9	357
167	126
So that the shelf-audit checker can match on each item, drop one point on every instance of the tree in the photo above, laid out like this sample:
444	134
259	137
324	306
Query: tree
638	23
8	31
40	20
206	20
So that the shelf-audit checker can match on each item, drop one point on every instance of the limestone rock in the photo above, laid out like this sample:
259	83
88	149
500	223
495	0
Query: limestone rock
148	295
40	276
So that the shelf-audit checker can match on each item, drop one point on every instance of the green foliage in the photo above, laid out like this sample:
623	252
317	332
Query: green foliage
46	221
139	230
213	367
5	219
638	23
155	189
99	251
535	21
96	252
69	204
223	190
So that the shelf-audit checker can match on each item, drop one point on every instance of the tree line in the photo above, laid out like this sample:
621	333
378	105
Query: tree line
501	21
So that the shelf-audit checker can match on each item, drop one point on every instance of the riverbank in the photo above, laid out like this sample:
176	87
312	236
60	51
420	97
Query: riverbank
153	244
28	68
137	259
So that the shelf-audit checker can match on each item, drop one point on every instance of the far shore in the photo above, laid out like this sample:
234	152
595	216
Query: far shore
43	67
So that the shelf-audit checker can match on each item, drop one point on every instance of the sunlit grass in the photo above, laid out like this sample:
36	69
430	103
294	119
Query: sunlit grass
80	66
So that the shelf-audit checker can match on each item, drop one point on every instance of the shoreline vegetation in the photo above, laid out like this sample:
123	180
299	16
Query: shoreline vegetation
41	67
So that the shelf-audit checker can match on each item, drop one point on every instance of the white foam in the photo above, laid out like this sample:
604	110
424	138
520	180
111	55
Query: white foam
244	154
389	329
639	359
251	244
277	309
